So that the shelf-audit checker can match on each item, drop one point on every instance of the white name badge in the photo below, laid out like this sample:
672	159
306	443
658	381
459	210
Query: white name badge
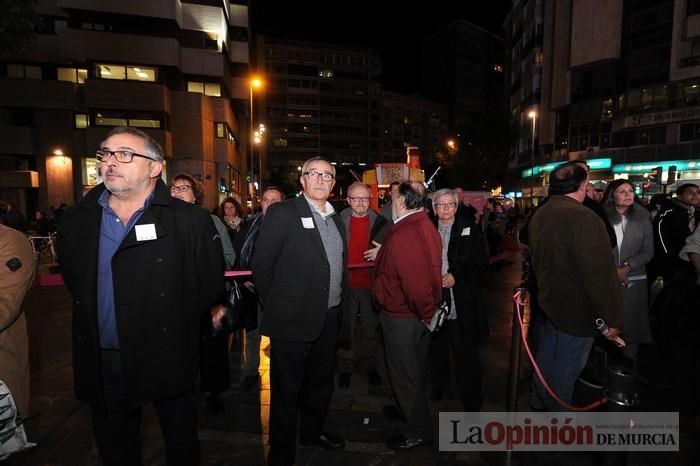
146	232
467	231
308	222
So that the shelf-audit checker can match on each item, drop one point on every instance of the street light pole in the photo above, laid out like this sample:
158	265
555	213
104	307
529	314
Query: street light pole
254	82
533	116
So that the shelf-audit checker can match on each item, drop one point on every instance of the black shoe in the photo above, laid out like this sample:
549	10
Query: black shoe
248	382
400	442
344	380
374	379
325	440
216	406
393	413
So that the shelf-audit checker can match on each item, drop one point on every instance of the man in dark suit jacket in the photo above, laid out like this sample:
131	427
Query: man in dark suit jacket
299	269
142	268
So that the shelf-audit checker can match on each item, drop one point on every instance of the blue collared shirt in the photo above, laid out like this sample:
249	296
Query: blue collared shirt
112	234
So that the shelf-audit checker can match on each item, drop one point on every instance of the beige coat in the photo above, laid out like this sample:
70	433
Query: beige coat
14	343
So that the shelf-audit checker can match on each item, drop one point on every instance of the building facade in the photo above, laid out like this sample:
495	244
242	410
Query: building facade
462	66
319	100
409	121
621	81
176	69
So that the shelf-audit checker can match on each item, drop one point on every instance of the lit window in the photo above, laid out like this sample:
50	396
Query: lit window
121	72
212	89
195	87
81	120
220	130
107	121
32	72
135	73
72	75
111	72
279	142
144	123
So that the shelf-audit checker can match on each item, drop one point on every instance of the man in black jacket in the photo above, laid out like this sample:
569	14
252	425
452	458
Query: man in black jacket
142	268
672	226
299	269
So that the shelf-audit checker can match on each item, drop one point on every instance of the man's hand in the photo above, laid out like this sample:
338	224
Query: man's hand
613	334
249	285
371	254
217	313
622	273
448	280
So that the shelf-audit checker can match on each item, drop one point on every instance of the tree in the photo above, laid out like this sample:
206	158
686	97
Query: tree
18	23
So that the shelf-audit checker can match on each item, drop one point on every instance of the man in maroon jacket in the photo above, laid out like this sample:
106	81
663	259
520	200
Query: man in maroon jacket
407	289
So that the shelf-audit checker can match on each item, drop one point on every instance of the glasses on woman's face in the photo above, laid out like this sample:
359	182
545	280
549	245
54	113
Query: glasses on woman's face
446	205
180	188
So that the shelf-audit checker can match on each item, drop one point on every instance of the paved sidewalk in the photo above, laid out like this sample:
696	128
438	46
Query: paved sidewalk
61	425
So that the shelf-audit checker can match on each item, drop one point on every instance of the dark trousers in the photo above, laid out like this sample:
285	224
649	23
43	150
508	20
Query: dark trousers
118	430
448	344
407	343
301	381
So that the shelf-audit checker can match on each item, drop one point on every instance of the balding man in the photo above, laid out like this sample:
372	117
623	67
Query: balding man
364	232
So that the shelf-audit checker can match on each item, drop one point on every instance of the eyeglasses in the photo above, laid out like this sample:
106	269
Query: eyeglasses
446	205
122	156
359	199
183	188
325	176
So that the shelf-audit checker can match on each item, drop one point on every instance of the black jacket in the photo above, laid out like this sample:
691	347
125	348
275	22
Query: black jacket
467	260
670	232
161	288
292	274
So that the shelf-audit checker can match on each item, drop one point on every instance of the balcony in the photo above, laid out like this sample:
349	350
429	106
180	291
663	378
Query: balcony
154	8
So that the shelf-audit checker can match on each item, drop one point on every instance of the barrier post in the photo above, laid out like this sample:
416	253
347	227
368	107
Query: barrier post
514	366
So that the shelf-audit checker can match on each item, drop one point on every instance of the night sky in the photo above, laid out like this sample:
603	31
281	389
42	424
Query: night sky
393	28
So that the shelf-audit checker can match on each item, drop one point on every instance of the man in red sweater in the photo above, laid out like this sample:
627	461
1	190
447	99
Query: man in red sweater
364	230
407	289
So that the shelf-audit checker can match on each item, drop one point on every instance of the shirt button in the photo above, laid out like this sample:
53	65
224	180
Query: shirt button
160	259
162	295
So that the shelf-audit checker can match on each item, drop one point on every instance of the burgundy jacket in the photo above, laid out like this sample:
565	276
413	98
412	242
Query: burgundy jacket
408	278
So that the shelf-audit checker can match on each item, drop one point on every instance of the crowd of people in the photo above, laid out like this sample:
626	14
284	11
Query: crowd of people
340	292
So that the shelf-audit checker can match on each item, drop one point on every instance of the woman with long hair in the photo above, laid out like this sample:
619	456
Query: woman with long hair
232	214
634	249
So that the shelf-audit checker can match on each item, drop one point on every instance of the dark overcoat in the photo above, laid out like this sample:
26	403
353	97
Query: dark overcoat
292	273
161	288
467	259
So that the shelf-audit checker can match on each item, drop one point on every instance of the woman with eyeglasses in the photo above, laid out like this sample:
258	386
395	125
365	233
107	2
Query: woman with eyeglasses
633	250
214	376
464	261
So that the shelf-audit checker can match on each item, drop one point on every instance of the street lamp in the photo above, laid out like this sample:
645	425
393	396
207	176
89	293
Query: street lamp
255	83
533	116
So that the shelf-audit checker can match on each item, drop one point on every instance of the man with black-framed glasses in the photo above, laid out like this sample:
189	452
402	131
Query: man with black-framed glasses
364	230
142	267
299	269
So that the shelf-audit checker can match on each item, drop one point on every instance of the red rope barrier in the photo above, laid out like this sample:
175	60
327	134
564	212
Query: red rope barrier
519	305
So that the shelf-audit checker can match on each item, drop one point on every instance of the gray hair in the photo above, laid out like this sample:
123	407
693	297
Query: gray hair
151	146
358	184
304	168
445	192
